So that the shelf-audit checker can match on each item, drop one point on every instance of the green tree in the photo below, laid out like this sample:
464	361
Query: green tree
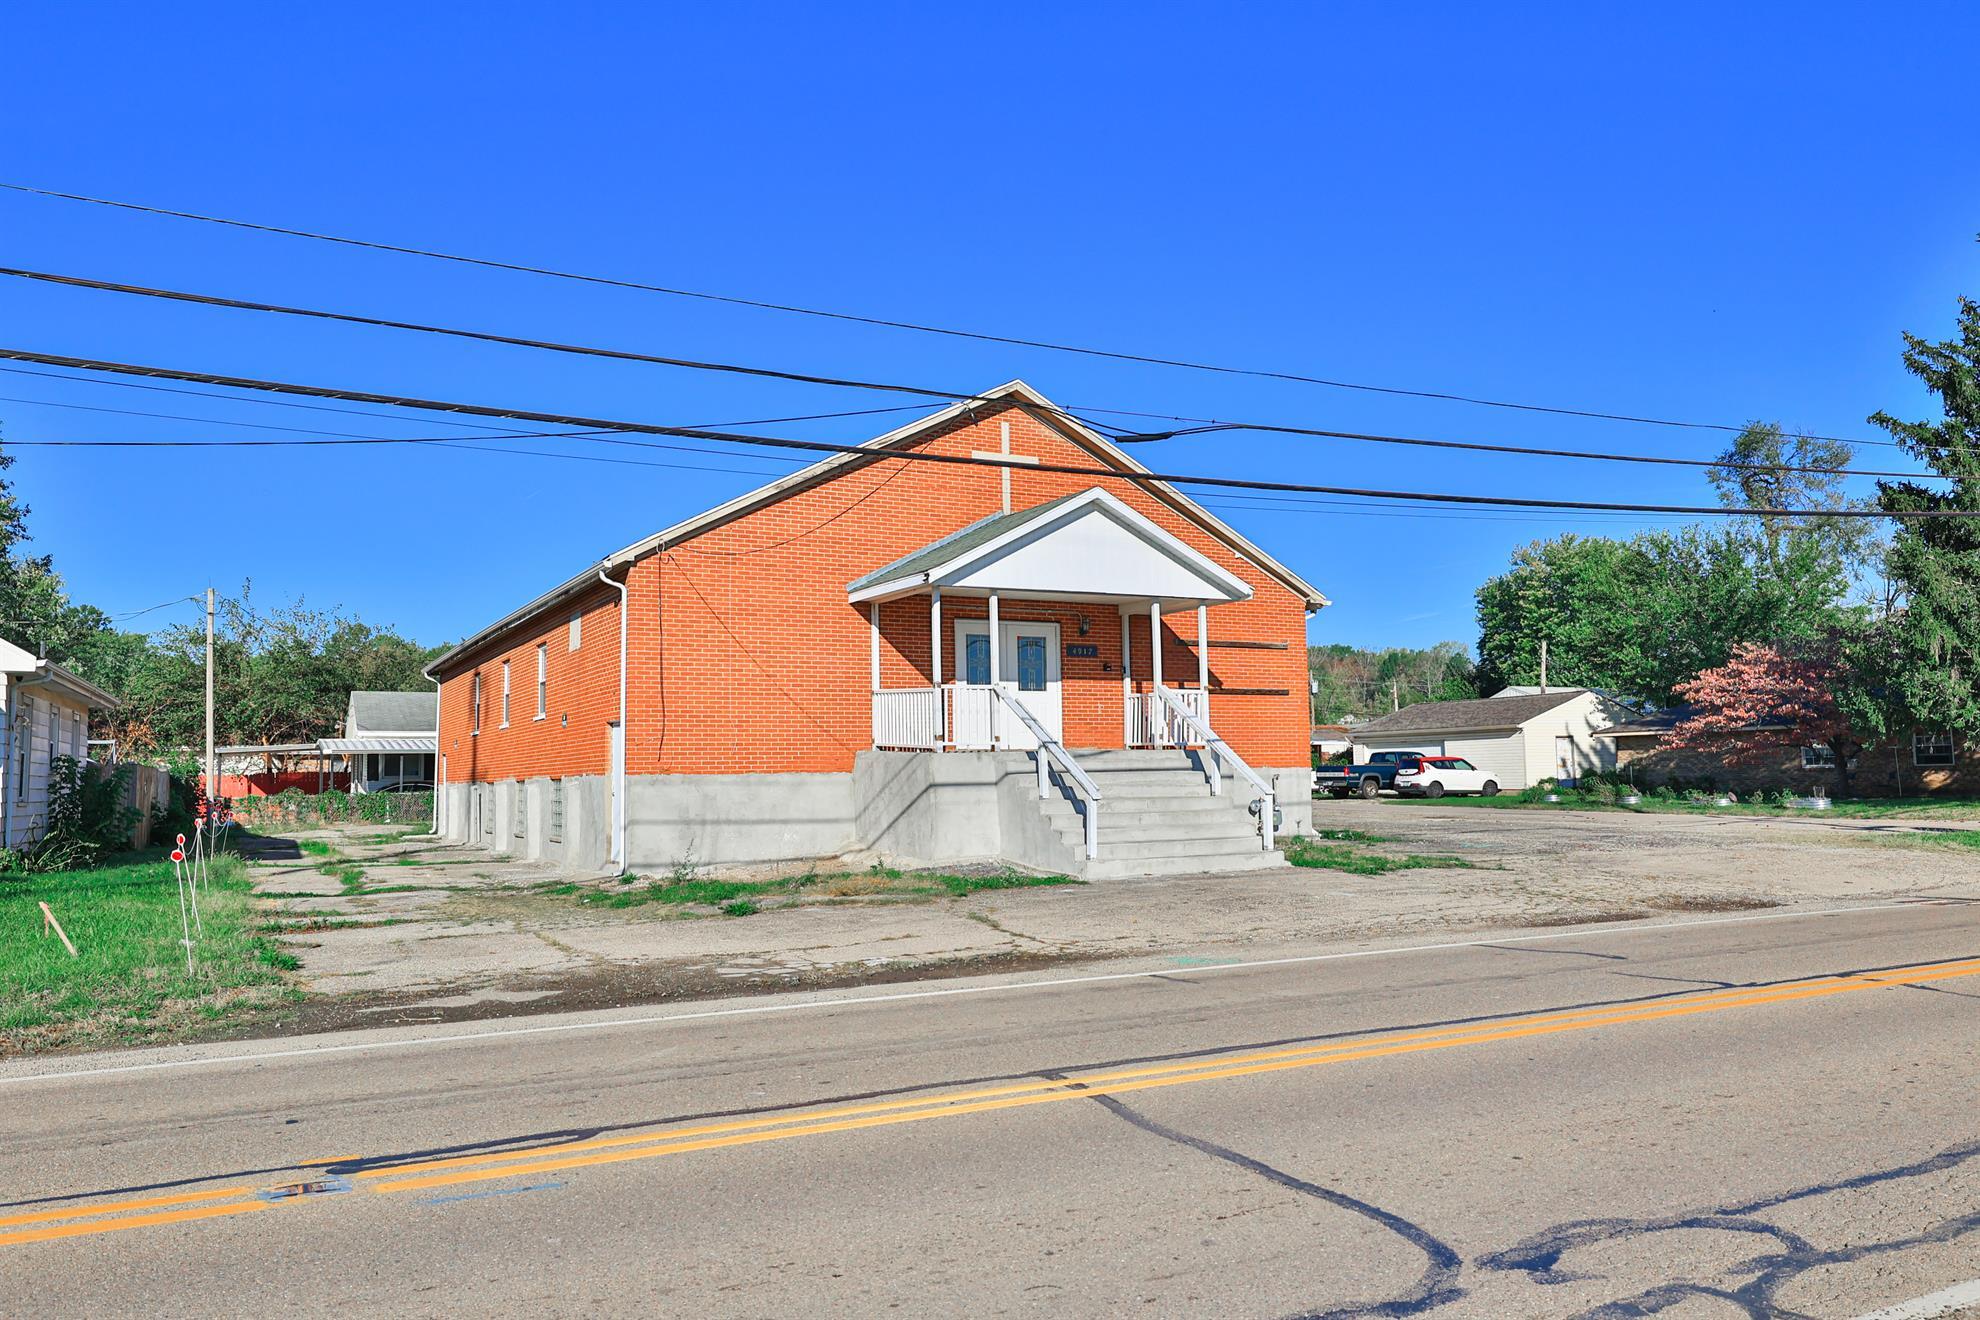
1935	562
1764	467
35	609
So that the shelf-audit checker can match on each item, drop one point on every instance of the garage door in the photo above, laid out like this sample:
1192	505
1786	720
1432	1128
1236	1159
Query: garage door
1427	746
1502	756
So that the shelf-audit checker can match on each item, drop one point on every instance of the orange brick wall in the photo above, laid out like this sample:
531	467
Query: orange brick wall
584	698
747	658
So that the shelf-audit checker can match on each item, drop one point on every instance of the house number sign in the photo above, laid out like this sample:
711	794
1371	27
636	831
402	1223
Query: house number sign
1082	651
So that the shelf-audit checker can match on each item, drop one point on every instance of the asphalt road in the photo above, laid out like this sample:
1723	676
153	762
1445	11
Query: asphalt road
1744	1115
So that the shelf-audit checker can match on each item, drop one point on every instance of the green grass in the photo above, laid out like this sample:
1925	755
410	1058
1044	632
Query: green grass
130	981
1304	850
739	898
1350	836
1912	808
315	847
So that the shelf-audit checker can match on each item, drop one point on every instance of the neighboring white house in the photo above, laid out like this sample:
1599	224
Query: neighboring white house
1519	740
45	714
390	740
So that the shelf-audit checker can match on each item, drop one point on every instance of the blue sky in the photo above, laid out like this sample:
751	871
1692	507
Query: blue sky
1704	212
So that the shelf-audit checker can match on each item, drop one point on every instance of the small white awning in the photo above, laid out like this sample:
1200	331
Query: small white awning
347	746
1079	547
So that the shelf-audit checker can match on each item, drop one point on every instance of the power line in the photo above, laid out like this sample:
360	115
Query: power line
1531	450
1014	341
1208	424
958	460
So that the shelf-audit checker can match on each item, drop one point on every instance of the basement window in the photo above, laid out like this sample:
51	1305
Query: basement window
1931	750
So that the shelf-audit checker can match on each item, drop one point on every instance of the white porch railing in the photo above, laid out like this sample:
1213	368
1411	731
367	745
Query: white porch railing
1200	733
1150	723
910	719
926	719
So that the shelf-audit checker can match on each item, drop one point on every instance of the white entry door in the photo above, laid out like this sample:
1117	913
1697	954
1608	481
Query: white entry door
1027	668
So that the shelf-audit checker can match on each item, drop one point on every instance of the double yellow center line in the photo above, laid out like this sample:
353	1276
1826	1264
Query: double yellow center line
416	1175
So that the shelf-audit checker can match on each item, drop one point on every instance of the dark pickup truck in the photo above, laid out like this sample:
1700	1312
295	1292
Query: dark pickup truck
1366	778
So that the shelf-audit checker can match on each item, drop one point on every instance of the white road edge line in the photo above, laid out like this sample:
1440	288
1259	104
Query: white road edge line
1931	1304
941	992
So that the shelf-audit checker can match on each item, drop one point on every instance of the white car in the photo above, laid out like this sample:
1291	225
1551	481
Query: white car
1434	776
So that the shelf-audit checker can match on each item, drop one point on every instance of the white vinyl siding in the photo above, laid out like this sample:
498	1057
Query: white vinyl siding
1501	756
1431	746
45	726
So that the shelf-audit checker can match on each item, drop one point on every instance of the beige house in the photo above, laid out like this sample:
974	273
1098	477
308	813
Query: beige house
44	714
1518	740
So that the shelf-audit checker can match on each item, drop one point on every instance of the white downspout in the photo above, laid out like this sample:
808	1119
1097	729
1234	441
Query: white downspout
619	771
439	760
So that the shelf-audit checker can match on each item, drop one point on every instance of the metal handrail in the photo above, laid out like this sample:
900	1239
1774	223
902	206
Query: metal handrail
1222	751
1048	746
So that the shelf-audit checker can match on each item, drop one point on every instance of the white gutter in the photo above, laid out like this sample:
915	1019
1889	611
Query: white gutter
619	771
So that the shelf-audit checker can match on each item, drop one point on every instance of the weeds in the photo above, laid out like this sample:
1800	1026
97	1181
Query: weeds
130	981
739	898
1303	850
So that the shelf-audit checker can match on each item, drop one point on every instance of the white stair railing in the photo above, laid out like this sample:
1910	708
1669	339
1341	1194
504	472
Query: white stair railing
1049	748
1221	751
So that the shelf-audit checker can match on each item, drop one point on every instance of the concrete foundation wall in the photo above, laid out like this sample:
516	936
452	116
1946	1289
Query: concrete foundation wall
1293	790
914	809
719	819
903	808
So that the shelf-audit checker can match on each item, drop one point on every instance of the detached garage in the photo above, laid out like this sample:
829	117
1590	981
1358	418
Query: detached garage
1518	740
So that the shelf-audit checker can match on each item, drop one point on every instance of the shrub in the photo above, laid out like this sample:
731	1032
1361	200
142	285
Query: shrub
87	818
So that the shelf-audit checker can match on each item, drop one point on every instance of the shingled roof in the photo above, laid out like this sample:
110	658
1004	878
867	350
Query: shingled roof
1466	716
393	712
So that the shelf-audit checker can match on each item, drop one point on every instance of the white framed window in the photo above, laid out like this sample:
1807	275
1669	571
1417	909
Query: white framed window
1818	758
1931	750
542	680
577	631
475	703
505	694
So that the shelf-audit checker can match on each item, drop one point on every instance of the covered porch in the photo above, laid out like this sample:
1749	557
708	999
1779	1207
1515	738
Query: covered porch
1052	631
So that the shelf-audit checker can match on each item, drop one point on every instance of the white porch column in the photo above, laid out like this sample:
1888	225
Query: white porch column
996	639
873	616
1127	678
1161	720
935	665
1203	658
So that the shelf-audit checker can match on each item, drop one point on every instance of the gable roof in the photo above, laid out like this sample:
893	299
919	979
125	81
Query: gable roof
393	712
1476	715
977	556
1013	391
1660	722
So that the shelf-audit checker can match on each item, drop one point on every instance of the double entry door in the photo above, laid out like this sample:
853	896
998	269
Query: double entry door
1027	668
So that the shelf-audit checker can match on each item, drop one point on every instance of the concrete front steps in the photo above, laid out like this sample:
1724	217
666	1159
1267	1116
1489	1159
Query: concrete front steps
1157	817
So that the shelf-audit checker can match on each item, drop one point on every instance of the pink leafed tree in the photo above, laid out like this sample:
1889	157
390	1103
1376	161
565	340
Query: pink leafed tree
1767	699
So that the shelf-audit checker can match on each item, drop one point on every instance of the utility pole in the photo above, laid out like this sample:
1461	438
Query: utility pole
212	762
1543	666
1395	695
